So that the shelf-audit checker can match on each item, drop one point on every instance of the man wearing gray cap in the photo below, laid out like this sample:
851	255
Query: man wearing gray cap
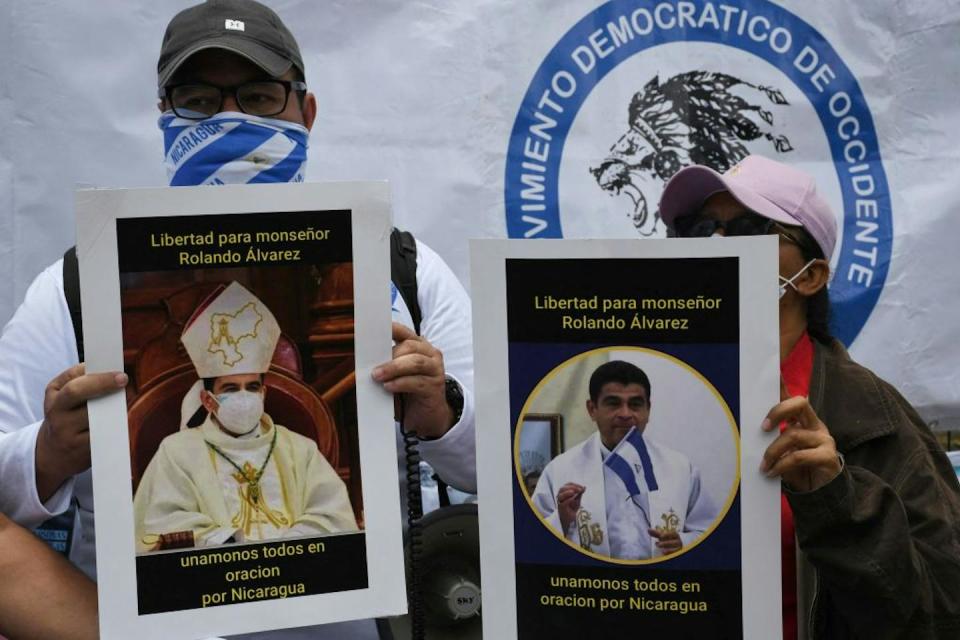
234	109
868	493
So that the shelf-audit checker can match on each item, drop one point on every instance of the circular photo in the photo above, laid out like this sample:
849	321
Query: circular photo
627	454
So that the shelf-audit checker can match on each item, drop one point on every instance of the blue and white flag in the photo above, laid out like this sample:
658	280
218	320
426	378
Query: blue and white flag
232	148
629	464
630	461
662	485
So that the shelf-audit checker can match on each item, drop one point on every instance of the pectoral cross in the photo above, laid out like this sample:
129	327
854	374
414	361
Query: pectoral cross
254	509
249	476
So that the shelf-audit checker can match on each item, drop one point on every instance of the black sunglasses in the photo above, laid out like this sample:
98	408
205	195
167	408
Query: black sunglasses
700	226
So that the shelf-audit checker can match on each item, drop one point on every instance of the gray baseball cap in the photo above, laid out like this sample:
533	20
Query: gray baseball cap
244	27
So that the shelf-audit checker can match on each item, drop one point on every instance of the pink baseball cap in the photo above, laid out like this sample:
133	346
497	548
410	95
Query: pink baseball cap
766	187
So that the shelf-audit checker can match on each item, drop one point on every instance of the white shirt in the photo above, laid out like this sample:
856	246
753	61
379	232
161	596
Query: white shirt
617	523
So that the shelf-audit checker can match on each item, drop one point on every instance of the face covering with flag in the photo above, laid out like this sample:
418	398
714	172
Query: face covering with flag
232	148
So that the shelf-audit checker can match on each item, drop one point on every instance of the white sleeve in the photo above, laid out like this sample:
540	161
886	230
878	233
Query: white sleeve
168	499
446	324
545	500
36	345
326	505
701	510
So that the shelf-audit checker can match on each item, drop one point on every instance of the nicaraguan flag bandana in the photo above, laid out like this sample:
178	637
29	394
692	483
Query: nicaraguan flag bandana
232	148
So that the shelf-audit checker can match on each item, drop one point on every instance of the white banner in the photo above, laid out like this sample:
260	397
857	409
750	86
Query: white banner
476	110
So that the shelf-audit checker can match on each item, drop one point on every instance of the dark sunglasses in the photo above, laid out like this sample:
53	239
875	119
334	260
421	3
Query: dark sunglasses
700	226
749	224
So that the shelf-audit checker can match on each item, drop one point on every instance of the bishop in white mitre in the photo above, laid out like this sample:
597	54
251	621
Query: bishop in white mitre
237	476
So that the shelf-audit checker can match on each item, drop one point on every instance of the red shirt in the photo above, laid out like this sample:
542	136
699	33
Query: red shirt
796	370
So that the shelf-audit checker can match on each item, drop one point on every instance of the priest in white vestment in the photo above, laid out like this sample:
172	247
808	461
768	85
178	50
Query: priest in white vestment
619	494
238	476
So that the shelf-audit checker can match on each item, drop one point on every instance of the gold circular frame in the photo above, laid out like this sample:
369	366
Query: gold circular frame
659	354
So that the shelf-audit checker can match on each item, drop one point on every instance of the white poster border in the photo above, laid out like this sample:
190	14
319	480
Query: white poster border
759	391
97	214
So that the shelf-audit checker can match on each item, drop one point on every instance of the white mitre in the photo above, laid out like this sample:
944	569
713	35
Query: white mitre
231	333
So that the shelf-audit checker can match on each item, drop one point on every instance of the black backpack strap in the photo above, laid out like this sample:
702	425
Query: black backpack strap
71	291
403	271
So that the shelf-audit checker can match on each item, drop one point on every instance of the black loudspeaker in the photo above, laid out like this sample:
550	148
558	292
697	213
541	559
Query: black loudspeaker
449	565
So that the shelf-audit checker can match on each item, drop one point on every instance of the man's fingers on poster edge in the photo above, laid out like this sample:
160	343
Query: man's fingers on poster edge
75	421
411	343
418	363
411	384
414	345
76	391
66	376
58	382
401	332
407	364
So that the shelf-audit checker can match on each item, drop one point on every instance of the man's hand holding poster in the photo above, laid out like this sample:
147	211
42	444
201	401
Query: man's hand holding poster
621	389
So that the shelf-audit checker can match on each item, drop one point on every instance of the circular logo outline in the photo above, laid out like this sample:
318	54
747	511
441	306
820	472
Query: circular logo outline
559	89
734	427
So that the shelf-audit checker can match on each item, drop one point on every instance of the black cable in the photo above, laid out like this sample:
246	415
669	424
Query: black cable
442	491
414	531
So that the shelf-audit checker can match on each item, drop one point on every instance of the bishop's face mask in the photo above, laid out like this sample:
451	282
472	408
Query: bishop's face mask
788	282
232	148
239	412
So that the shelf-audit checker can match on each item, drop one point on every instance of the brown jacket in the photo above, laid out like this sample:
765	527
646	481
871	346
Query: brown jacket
880	543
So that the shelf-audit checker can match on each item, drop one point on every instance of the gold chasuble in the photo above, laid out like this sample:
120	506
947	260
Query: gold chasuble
280	487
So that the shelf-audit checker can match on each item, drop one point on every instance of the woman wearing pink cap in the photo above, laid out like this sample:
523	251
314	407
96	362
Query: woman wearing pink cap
868	494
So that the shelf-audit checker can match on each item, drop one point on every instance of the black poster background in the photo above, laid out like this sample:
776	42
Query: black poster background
138	239
165	580
652	278
720	589
714	565
165	584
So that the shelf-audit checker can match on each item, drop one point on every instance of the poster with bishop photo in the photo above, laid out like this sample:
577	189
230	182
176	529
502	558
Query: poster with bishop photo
238	480
621	388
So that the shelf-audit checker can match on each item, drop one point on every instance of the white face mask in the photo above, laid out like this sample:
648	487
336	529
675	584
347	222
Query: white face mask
784	282
239	412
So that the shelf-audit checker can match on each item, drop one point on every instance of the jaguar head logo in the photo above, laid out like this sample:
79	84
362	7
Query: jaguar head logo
697	117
